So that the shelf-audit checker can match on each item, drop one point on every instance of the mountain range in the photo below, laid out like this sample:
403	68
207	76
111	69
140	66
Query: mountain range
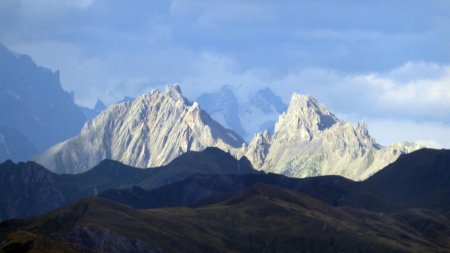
153	129
428	188
253	212
262	218
229	173
199	178
28	189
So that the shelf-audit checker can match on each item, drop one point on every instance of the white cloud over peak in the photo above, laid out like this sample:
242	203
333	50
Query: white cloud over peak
419	91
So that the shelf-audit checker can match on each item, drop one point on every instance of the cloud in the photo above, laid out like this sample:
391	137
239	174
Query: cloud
419	91
214	14
410	102
426	98
429	134
363	60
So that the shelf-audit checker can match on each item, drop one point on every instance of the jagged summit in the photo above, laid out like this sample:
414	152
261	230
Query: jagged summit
305	118
150	131
309	140
174	90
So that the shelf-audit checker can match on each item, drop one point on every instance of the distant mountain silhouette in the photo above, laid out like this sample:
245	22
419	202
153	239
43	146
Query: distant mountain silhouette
403	208
416	180
33	102
200	190
28	189
257	113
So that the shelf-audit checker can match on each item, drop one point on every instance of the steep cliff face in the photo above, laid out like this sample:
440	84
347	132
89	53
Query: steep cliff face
310	141
33	102
150	131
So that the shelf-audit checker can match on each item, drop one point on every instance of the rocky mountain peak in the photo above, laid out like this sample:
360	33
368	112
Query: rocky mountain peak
150	131
174	91
309	140
304	118
361	127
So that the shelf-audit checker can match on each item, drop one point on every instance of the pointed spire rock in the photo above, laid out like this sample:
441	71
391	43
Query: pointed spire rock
304	119
174	90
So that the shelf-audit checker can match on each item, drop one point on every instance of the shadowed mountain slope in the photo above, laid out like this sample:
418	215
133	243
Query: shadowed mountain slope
262	218
416	180
28	189
199	189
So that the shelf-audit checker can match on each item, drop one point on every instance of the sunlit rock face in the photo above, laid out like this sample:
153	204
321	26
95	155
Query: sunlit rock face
310	141
150	131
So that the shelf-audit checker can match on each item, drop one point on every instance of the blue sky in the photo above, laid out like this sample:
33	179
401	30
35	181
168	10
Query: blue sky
384	62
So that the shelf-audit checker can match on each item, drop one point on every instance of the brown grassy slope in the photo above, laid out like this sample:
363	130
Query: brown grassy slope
262	218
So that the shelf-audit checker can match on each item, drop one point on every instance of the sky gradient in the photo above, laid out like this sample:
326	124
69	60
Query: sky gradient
383	62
